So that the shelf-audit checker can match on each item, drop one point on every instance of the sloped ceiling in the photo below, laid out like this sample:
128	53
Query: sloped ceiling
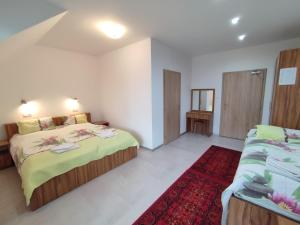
26	38
17	15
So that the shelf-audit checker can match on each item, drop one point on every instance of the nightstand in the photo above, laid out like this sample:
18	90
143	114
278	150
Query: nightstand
105	123
5	157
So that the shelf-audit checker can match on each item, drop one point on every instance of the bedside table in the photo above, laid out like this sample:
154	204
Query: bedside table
105	123
5	157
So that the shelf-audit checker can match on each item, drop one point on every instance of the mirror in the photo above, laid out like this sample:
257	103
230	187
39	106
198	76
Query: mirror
203	100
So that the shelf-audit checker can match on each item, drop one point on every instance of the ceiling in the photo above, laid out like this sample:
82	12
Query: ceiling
12	46
17	15
194	27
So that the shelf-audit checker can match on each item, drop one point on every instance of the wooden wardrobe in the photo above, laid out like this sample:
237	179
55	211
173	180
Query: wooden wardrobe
285	111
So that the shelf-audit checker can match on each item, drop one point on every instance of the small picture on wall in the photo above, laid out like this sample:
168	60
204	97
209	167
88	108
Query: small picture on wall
288	76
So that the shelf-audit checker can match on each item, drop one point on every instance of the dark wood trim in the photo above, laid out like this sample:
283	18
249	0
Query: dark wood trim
285	110
264	71
202	118
102	122
274	90
66	182
171	128
242	212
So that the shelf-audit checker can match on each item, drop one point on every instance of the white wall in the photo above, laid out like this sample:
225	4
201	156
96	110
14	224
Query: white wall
45	75
124	89
125	86
207	70
131	88
49	77
118	87
163	57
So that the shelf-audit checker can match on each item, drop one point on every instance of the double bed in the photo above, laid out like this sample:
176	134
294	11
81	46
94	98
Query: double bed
48	169
266	187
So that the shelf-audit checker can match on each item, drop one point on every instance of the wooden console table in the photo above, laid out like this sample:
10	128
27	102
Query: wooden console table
199	122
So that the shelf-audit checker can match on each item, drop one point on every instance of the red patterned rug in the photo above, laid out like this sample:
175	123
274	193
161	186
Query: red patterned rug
195	198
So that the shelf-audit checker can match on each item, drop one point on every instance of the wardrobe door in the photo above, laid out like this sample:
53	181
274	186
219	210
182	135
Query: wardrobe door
286	98
242	102
172	83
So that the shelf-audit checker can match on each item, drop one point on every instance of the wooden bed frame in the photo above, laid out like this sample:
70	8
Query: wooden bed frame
62	184
284	114
66	182
242	212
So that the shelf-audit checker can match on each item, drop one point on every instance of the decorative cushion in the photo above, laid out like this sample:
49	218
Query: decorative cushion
81	118
28	126
70	120
47	123
270	133
293	136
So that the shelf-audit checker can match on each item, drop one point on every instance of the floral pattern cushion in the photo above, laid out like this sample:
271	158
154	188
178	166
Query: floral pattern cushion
47	123
70	120
293	136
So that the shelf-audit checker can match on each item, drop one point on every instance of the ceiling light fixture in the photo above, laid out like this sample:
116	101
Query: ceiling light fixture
235	20
242	37
111	29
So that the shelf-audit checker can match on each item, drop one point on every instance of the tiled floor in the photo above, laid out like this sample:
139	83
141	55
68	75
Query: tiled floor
118	197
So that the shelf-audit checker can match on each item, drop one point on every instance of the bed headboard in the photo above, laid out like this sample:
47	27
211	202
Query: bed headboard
12	128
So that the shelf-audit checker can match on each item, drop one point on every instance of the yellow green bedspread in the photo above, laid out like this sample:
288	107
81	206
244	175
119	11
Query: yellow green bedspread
40	167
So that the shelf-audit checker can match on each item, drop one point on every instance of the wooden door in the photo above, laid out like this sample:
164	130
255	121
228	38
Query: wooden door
242	102
172	83
286	98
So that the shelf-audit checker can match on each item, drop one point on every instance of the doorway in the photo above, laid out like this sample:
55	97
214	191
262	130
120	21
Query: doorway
172	90
242	102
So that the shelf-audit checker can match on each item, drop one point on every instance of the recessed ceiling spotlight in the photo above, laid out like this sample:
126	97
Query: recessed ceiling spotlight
111	29
242	37
235	20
